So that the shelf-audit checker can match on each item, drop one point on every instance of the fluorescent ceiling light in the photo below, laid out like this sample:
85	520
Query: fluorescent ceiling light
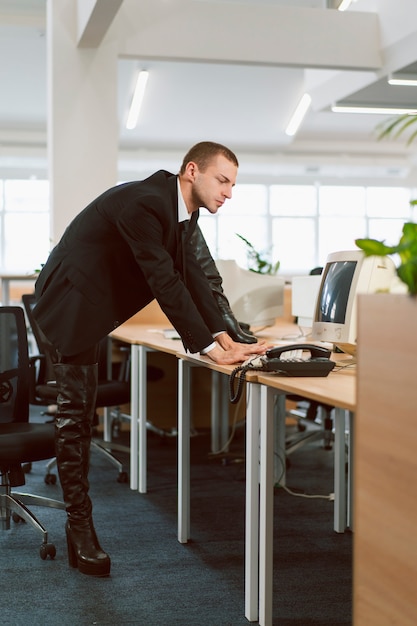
132	118
298	115
405	81
373	110
345	4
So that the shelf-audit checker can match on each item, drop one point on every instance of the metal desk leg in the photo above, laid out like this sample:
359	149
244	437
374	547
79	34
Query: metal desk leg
215	419
134	409
252	502
266	507
224	412
107	425
184	387
280	414
142	449
5	291
219	412
350	471
339	472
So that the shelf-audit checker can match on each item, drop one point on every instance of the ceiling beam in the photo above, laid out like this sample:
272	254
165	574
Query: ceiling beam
93	20
242	33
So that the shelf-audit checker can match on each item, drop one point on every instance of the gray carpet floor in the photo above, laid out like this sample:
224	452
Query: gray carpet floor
155	581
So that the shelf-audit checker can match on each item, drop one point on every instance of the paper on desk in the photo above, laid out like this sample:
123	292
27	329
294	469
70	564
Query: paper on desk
168	333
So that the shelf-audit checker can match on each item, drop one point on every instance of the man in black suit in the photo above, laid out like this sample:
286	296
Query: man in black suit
127	247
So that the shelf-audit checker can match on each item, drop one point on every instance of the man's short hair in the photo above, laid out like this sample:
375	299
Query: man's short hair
204	152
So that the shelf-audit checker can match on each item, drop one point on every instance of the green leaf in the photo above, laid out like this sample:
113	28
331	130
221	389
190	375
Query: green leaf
259	264
406	249
372	247
395	126
407	272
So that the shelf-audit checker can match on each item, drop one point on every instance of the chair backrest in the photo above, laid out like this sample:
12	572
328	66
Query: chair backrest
14	366
44	346
108	384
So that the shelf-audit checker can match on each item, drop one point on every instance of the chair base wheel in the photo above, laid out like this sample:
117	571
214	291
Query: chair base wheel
47	549
122	477
50	479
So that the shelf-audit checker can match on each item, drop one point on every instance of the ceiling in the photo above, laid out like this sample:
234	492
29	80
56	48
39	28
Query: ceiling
245	106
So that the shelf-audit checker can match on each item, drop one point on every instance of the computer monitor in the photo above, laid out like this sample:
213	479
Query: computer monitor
256	299
345	275
304	298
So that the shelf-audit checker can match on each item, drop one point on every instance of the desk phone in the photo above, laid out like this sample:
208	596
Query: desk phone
287	360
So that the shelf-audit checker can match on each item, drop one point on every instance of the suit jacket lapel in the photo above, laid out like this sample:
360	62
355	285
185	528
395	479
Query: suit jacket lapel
186	232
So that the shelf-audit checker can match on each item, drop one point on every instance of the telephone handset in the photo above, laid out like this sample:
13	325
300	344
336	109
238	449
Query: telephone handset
319	364
317	352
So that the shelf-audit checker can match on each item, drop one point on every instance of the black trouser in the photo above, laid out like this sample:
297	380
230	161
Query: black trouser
87	357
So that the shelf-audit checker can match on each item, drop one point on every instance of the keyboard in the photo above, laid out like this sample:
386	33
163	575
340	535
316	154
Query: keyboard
292	355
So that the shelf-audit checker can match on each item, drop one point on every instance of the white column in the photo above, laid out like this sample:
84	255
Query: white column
82	116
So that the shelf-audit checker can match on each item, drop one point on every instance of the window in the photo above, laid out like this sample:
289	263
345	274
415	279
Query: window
299	225
24	224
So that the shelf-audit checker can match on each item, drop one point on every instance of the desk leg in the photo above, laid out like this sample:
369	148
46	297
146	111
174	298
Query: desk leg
280	414
224	412
5	291
252	502
266	507
134	410
219	412
142	435
350	471
215	421
339	472
184	376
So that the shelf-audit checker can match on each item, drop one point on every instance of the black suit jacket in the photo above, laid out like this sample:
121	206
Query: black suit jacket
122	251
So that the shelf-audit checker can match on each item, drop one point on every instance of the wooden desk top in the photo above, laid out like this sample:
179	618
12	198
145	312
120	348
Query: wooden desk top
207	362
337	389
150	336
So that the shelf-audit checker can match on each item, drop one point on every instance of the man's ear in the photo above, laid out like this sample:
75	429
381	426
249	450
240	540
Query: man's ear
191	170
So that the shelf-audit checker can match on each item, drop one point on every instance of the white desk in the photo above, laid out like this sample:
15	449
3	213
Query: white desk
142	339
338	390
220	374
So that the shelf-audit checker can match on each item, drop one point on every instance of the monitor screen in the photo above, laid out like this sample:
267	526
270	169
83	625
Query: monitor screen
334	294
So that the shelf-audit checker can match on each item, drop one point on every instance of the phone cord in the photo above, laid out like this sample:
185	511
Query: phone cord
241	370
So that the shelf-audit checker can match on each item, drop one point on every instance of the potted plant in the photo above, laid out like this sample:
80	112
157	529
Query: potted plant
257	263
395	126
406	248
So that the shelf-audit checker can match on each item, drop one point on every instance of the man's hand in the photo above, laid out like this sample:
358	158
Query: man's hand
228	352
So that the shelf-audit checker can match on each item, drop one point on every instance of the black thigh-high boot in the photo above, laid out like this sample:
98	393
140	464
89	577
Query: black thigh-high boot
209	267
77	389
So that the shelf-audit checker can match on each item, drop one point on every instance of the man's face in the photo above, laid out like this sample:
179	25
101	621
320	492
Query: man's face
213	186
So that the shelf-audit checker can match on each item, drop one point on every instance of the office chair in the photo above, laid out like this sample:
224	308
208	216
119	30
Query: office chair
112	392
20	441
